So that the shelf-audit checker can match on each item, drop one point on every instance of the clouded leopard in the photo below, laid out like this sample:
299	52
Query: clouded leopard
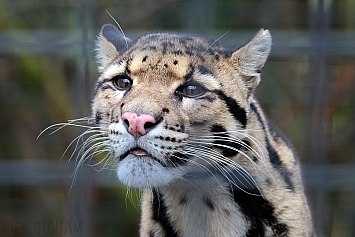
179	118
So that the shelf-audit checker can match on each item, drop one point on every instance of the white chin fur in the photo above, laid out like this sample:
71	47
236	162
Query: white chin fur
144	172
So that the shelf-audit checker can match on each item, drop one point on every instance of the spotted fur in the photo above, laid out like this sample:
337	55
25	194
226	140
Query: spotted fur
214	164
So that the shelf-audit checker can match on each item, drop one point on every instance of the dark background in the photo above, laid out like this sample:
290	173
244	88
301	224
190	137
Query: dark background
47	73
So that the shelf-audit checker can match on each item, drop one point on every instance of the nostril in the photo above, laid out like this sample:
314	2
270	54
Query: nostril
148	125
126	122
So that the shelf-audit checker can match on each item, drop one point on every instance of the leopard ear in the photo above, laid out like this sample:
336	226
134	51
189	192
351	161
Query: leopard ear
250	58
110	43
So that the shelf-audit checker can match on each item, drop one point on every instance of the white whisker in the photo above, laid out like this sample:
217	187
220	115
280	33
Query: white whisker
69	123
89	144
209	46
118	27
218	159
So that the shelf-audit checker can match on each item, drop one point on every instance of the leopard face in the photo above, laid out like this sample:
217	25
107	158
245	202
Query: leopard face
170	105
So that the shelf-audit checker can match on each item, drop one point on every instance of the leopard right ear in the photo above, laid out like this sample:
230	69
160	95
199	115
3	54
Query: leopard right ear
250	58
110	44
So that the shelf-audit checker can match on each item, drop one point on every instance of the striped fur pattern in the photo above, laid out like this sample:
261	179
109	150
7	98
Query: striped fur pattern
211	164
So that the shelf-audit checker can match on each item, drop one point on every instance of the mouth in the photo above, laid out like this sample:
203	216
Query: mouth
137	152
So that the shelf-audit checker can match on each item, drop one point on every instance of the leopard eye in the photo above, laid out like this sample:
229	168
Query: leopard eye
122	82
191	90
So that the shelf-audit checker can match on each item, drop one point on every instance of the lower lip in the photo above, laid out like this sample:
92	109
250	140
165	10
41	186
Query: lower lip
139	152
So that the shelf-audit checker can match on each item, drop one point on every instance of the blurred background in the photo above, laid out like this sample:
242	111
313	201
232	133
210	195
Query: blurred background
47	74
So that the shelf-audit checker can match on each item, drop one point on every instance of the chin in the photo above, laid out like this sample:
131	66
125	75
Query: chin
145	172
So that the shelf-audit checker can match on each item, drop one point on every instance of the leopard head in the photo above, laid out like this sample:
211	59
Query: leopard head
171	104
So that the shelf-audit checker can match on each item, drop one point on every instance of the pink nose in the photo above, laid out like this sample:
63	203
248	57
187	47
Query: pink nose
138	123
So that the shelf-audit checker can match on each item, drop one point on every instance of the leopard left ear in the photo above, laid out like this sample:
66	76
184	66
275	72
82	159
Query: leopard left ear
109	45
250	58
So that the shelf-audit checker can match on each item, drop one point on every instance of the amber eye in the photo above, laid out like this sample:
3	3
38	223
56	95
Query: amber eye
122	82
191	90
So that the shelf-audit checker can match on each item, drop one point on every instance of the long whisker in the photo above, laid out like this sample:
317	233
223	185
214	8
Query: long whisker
69	123
231	140
90	143
260	170
118	27
103	160
77	141
217	159
209	46
259	152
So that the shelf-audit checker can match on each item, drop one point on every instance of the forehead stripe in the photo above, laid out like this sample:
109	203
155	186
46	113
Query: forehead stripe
203	70
189	73
238	112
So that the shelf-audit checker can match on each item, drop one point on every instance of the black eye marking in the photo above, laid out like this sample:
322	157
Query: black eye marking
122	82
191	90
